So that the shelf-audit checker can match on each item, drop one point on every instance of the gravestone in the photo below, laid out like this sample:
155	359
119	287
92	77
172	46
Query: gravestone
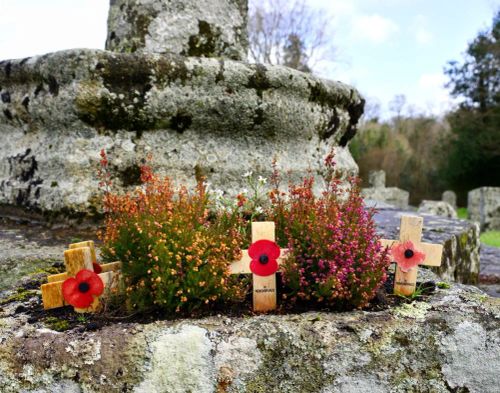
378	192
202	116
437	208
450	197
483	206
376	179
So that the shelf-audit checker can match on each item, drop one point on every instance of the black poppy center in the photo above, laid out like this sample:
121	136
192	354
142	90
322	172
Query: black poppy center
83	287
263	259
408	253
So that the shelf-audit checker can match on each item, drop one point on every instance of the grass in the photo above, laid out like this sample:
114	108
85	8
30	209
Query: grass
491	238
462	213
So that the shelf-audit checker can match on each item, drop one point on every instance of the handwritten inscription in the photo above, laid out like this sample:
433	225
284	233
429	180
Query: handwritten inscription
264	290
407	284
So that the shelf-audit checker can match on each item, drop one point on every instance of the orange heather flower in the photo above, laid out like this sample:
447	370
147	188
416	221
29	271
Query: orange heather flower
406	256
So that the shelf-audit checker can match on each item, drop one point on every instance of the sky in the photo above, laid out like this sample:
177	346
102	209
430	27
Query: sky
383	47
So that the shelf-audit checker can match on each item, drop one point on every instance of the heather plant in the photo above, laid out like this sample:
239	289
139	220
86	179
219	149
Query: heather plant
175	252
334	255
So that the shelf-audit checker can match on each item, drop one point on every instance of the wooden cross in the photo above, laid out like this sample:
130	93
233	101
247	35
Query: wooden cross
264	287
411	229
79	256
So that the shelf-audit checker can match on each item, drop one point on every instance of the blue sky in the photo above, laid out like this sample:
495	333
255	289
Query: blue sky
383	47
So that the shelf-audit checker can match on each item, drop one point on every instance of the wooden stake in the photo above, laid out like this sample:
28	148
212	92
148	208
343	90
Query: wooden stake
89	244
264	287
411	229
106	267
78	259
53	298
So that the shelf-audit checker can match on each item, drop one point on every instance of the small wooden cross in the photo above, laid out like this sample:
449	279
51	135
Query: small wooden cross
411	229
79	256
264	287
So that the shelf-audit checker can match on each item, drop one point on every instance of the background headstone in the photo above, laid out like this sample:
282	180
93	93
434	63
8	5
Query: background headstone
450	197
377	179
437	208
202	28
483	206
379	193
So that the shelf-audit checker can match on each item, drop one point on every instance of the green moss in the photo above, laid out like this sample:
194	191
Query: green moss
259	80
20	296
443	285
59	325
288	363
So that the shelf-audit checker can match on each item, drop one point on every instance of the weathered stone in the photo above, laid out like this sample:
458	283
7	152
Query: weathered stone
483	206
450	342
198	117
203	28
377	179
437	208
381	196
450	197
460	240
392	196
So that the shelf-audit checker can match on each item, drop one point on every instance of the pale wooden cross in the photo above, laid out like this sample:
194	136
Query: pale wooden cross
264	287
411	229
79	256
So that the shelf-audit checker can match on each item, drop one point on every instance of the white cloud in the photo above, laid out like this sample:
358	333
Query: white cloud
373	28
422	35
432	94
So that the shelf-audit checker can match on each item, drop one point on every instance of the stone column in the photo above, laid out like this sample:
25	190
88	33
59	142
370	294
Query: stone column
202	28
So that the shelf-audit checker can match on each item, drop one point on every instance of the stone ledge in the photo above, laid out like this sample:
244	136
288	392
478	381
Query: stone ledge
448	343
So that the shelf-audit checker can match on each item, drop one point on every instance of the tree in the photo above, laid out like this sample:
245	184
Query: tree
397	105
474	158
288	33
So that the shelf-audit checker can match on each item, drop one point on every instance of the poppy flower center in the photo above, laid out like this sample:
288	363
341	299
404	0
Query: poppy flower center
263	259
409	253
83	287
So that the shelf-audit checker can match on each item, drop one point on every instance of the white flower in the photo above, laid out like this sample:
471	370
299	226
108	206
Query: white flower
248	174
218	194
262	180
259	210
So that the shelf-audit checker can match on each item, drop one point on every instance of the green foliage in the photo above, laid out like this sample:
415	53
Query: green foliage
409	149
175	255
462	213
474	158
491	238
334	256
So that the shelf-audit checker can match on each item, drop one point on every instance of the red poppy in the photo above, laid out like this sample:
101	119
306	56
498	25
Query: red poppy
264	254
97	268
80	290
406	256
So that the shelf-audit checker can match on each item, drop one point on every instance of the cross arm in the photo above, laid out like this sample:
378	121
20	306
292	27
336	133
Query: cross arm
432	252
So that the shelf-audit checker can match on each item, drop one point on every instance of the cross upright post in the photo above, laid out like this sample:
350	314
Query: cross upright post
264	285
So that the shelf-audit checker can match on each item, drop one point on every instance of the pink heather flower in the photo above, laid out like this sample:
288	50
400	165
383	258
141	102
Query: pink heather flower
406	256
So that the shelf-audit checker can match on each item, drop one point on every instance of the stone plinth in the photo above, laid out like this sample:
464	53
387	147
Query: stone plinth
483	206
197	116
203	28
